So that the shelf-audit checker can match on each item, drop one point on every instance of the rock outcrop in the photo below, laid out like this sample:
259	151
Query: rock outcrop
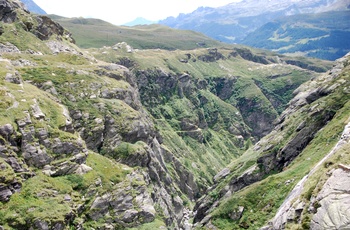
334	201
8	12
43	28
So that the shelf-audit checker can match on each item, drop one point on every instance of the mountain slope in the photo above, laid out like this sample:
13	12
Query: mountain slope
306	150
66	119
323	35
97	33
233	22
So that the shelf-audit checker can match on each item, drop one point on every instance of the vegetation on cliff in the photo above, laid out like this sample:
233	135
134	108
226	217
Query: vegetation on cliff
115	137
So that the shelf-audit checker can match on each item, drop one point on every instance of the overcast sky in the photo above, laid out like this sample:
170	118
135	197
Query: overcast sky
123	11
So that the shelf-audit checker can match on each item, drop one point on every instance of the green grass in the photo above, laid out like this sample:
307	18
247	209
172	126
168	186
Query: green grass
106	169
96	33
7	175
156	224
41	198
125	149
16	35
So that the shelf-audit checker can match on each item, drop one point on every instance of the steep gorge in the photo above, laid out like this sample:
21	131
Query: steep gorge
117	138
302	140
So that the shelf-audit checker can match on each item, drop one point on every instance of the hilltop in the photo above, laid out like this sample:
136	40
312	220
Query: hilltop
97	33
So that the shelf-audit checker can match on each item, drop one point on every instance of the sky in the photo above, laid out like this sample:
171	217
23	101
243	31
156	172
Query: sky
121	12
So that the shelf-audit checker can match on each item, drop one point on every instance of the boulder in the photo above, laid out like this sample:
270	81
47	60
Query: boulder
237	214
8	48
41	225
13	78
6	131
5	193
36	111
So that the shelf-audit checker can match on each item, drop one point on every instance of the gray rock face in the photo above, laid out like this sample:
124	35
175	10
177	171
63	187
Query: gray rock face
7	11
222	174
291	209
126	207
212	56
206	204
47	28
334	201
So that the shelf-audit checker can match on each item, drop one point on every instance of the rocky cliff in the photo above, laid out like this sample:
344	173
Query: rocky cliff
66	120
306	150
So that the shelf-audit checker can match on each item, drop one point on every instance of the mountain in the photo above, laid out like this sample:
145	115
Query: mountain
119	138
33	7
233	22
323	35
140	21
97	33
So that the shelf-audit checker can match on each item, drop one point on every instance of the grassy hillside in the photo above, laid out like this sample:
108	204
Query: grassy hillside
97	33
323	35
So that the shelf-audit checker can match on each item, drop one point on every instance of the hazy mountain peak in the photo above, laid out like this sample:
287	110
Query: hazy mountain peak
33	7
140	21
233	22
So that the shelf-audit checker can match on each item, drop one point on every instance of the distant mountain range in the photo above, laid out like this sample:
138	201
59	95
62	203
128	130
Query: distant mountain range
233	22
323	35
300	27
33	7
140	21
